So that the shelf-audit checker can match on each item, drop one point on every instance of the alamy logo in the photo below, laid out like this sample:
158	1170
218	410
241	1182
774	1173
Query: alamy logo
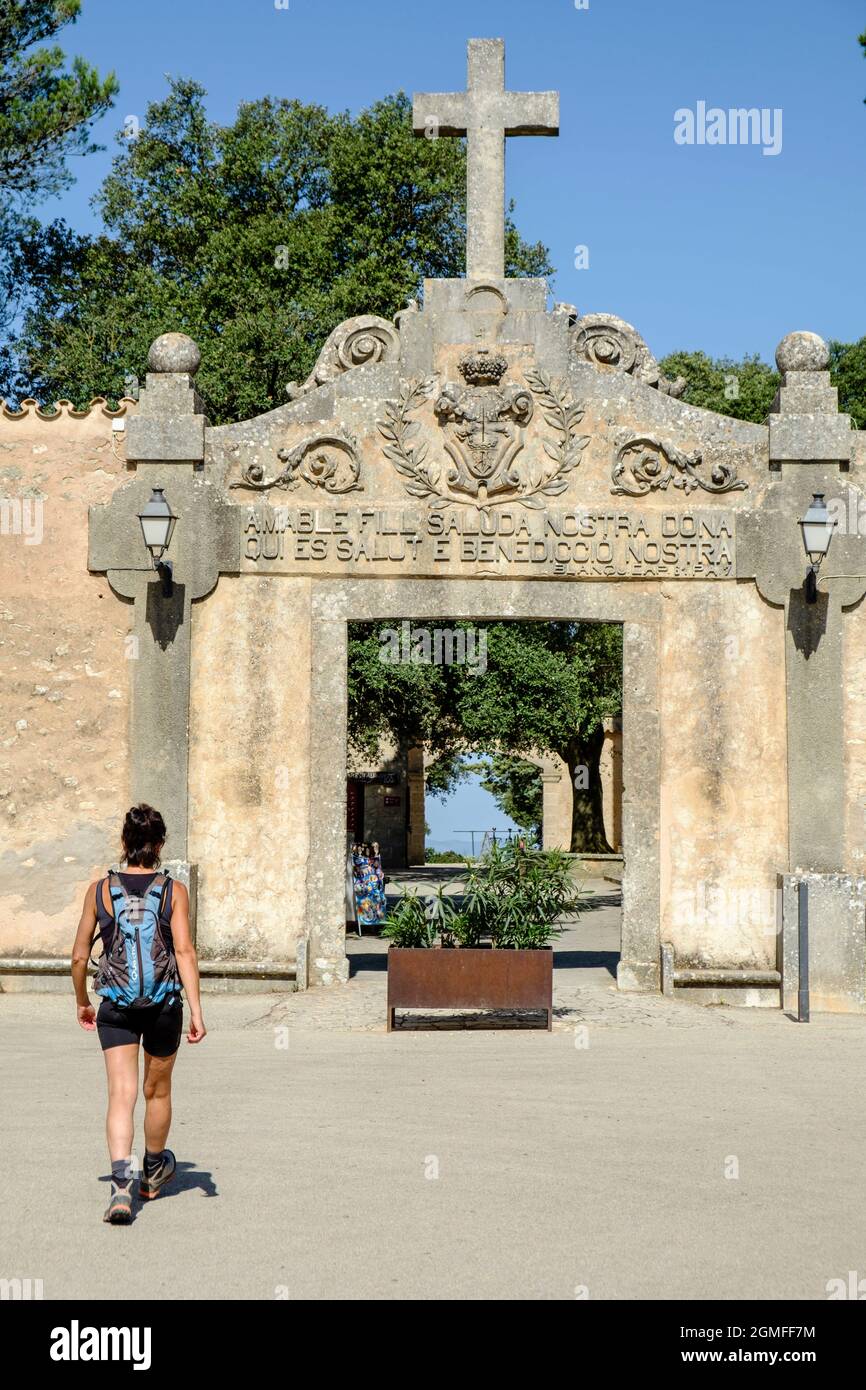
853	1287
76	1343
441	647
20	1290
739	125
22	516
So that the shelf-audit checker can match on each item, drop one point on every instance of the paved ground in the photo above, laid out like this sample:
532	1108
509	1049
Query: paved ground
322	1158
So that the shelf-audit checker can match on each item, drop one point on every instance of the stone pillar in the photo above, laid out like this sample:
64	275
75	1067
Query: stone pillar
639	966
327	963
810	448
610	771
557	802
166	445
415	838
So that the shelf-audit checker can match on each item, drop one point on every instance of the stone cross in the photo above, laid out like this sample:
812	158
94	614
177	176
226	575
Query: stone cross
486	113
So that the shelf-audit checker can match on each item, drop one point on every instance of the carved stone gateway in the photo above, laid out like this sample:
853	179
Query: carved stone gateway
484	457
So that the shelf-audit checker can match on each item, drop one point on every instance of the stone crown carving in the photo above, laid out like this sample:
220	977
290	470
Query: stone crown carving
483	368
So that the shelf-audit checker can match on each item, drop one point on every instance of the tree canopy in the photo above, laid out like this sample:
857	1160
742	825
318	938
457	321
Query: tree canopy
746	389
257	238
46	112
542	686
46	107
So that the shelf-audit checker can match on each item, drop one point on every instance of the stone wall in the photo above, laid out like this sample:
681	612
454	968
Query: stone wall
65	656
724	787
249	766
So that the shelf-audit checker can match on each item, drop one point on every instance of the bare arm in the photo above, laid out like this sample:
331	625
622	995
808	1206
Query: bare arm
80	956
187	960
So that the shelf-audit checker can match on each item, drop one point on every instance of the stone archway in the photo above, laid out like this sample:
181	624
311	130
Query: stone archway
483	457
334	604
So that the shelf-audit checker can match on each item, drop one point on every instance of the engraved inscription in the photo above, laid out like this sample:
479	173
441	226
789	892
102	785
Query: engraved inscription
581	544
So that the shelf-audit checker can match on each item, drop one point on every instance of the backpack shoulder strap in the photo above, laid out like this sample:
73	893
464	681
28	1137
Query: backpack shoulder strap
165	897
115	891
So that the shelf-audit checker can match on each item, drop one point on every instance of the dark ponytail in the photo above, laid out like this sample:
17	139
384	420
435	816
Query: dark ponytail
143	836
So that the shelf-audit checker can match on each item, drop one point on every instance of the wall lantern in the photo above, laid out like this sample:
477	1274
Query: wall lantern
157	526
817	531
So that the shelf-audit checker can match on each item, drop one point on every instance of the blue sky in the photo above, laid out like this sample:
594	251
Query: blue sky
719	247
468	808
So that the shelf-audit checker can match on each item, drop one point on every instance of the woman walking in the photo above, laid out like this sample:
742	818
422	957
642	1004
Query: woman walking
147	956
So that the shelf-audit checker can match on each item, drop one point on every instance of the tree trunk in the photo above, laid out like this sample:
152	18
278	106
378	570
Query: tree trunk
587	820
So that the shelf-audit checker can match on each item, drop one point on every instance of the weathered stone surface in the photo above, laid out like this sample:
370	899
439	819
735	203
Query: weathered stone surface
836	941
802	352
67	659
174	352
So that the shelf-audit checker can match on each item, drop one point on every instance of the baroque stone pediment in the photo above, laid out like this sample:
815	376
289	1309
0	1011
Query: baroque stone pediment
612	344
357	342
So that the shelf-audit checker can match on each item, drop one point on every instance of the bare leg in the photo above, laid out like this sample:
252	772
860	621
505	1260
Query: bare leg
157	1096
121	1067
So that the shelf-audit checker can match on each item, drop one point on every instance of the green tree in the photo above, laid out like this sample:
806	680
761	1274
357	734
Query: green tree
744	390
545	687
257	238
46	108
862	42
848	374
516	786
46	112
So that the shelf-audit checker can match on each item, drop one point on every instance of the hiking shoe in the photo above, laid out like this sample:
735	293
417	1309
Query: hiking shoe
119	1209
151	1184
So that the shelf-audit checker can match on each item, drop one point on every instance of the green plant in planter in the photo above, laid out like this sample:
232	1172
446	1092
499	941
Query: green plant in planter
409	923
516	896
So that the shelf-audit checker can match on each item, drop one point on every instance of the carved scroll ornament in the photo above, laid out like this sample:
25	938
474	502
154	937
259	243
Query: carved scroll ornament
355	343
645	464
328	461
610	343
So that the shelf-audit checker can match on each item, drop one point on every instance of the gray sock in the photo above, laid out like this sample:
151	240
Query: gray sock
121	1172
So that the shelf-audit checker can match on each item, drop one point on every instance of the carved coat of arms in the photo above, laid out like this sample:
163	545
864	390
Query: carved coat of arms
484	425
483	422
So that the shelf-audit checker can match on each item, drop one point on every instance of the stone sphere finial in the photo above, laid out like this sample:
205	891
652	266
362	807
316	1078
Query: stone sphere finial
802	352
174	352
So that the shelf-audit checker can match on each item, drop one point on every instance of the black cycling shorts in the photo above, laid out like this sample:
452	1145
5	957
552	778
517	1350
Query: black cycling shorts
158	1027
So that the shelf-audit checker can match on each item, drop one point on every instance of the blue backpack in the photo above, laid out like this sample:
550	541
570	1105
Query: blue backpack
138	966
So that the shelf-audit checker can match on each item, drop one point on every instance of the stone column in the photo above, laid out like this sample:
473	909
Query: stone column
327	963
810	452
610	770
416	839
810	447
166	446
557	802
639	967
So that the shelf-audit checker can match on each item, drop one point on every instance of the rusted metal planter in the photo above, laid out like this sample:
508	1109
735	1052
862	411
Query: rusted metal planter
469	978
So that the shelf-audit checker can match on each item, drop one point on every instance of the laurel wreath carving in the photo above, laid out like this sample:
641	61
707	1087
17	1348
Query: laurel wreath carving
398	430
563	415
423	478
